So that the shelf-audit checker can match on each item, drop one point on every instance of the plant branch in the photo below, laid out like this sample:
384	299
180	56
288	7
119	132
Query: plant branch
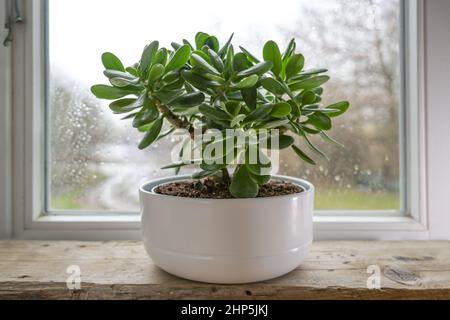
173	119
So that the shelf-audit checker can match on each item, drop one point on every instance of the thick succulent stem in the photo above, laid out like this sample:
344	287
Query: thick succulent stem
226	177
173	119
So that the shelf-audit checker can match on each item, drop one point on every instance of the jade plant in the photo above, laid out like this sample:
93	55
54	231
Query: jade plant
204	86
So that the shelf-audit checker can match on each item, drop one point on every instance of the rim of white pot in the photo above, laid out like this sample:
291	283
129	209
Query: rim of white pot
150	186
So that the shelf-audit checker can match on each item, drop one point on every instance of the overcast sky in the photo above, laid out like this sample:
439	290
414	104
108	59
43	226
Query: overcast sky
81	30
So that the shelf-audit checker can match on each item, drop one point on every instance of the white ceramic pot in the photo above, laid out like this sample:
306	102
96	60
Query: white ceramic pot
227	240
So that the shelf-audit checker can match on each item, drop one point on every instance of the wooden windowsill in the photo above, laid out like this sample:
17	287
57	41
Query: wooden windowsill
122	270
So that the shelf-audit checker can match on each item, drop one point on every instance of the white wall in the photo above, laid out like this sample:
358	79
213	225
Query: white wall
437	39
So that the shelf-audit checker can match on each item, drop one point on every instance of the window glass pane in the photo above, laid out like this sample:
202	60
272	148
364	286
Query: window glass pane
93	161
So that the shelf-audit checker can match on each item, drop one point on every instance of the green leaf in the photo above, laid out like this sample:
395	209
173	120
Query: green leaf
147	56
213	43
216	60
160	57
233	107
341	108
308	84
122	83
167	96
274	124
213	113
146	116
271	53
259	113
111	62
242	186
241	62
273	85
247	82
327	138
308	97
152	134
118	106
303	155
311	72
258	69
200	39
314	148
281	110
201	63
260	180
229	67
198	81
294	65
102	91
289	50
250	95
156	72
250	56
223	51
188	100
320	120
109	73
179	58
284	142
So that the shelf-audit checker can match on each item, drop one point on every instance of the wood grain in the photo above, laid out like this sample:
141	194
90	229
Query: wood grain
122	270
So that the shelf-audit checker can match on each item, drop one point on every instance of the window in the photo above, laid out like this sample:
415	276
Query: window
76	167
93	163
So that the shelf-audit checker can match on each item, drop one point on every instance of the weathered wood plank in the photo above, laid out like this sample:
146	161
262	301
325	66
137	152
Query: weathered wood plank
122	270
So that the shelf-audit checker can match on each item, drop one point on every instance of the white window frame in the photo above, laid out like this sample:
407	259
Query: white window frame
22	124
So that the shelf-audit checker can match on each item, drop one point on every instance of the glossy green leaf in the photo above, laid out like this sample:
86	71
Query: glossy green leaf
284	141
201	63
152	134
147	56
216	60
200	39
327	138
258	69
179	58
198	81
281	110
303	155
294	65
146	116
247	82
250	56
223	51
289	49
341	108
213	43
156	72
241	62
118	105
213	113
102	91
320	120
259	113
233	107
188	100
309	83
272	85
271	53
242	186
250	97
111	62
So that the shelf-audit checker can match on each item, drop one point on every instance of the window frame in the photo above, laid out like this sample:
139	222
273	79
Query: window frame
28	157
